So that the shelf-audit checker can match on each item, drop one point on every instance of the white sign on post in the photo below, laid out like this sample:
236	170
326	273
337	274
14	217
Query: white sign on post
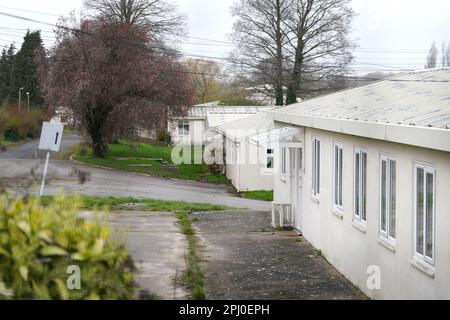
51	137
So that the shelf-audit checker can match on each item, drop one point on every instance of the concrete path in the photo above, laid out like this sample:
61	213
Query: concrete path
243	261
159	248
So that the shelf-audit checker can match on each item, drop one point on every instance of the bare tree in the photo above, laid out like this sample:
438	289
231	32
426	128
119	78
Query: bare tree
157	16
205	75
291	42
447	55
432	57
260	34
319	41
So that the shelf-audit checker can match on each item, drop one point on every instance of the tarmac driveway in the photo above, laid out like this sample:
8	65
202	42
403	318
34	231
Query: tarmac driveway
242	261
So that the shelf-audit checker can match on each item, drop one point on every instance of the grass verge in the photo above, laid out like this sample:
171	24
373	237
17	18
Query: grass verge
254	195
193	276
152	159
91	202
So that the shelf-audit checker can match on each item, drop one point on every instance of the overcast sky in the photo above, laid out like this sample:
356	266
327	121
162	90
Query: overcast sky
390	33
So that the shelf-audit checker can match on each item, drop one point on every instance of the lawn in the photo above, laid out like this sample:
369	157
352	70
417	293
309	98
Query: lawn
90	202
258	195
150	159
253	195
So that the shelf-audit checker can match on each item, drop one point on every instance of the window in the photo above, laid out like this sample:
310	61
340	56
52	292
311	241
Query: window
337	177
270	158
360	186
424	207
283	162
316	168
231	151
388	197
183	127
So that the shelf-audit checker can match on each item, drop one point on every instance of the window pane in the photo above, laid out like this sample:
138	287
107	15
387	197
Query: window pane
429	214
383	196
300	166
318	167
419	210
393	199
341	157
336	175
269	162
364	185
357	184
314	167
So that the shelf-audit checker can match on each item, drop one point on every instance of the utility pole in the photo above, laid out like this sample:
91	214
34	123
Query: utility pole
20	97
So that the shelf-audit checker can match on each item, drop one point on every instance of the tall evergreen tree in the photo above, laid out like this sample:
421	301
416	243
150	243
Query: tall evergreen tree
26	74
7	74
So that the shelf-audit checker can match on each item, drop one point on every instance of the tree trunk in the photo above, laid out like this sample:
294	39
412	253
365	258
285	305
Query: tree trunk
98	136
295	77
279	94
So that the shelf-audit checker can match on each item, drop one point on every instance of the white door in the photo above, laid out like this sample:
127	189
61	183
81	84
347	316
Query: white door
295	184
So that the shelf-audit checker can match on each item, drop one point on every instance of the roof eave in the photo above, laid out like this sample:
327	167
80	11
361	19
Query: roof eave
431	138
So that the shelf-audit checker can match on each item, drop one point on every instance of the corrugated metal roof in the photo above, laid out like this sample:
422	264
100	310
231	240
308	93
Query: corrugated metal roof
248	126
420	98
215	120
202	111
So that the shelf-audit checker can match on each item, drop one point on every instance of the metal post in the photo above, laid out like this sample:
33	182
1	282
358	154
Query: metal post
45	173
28	103
20	97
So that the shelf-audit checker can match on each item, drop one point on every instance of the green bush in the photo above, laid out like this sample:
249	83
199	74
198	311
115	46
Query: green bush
164	136
11	133
38	244
16	126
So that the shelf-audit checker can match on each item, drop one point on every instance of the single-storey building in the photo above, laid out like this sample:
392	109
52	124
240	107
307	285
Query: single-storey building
193	128
367	181
248	164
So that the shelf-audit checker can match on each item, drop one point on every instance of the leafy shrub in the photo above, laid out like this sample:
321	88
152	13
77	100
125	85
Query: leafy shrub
38	243
16	126
235	99
12	133
164	136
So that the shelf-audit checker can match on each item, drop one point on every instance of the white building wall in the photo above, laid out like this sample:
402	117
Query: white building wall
351	250
246	171
196	133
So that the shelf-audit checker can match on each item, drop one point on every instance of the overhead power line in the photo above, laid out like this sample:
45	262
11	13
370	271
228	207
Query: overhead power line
30	11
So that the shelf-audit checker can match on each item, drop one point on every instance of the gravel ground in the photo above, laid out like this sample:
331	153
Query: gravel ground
243	261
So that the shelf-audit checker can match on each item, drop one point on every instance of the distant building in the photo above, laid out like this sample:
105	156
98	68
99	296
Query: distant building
250	162
200	122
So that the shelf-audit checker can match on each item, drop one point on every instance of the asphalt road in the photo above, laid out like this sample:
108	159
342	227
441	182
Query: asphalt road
29	150
21	169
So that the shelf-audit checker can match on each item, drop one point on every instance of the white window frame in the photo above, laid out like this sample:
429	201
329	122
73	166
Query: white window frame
359	218
270	155
315	166
386	234
338	204
428	169
183	133
283	163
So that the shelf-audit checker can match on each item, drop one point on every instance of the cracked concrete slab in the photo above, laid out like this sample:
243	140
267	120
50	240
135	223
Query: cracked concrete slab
243	261
154	241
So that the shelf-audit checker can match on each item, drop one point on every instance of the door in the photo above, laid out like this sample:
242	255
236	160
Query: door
296	184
